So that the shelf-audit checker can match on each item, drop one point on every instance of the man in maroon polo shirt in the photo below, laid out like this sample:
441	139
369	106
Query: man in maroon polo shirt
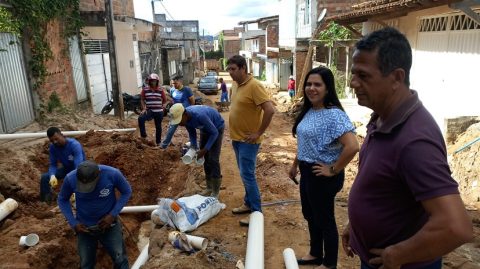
404	207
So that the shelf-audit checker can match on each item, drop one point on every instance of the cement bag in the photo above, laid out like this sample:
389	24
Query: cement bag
186	213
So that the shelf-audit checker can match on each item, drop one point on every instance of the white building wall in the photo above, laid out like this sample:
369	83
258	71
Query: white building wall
286	24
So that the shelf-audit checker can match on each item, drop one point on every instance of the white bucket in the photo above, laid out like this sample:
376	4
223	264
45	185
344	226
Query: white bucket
189	156
29	240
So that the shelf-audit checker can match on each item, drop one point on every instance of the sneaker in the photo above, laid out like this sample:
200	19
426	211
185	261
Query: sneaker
241	210
245	221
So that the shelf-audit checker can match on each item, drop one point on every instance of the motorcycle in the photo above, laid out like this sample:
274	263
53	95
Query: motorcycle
130	103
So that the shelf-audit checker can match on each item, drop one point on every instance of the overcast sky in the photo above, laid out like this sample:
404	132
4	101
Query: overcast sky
213	15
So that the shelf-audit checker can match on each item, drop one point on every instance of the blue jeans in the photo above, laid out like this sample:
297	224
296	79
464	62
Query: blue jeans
224	97
171	130
111	239
246	155
45	189
157	117
291	93
436	265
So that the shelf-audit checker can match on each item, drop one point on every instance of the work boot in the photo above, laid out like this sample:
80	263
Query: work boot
216	182
208	190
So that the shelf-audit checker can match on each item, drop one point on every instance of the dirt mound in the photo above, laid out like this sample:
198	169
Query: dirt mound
152	173
465	164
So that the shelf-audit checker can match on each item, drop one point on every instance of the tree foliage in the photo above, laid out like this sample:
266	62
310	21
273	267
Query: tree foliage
334	32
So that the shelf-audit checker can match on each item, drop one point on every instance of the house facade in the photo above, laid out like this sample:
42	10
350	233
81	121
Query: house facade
126	29
445	40
180	47
231	42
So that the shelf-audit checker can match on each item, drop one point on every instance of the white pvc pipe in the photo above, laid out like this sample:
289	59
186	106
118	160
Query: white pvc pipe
197	242
255	252
7	207
142	258
66	133
138	209
290	259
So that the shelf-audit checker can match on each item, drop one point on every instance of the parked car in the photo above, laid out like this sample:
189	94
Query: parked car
208	85
212	74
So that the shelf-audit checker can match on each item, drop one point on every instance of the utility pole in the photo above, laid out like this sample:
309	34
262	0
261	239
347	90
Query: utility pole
117	101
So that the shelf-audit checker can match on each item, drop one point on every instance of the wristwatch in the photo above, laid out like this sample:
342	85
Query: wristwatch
332	170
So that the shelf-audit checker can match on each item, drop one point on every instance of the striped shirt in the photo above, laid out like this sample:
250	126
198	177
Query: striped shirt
154	99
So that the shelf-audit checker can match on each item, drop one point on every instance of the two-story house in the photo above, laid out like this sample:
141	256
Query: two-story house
180	47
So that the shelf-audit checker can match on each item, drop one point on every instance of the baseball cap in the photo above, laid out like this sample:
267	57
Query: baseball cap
87	176
175	113
291	77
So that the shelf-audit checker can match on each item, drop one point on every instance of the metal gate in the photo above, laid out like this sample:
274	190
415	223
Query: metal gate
98	69
16	107
77	69
445	66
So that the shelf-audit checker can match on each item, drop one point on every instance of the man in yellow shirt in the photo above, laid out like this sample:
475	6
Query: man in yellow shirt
251	111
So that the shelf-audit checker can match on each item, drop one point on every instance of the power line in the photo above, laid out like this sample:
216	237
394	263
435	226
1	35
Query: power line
168	13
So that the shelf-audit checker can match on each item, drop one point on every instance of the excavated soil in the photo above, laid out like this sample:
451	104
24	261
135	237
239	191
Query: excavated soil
155	173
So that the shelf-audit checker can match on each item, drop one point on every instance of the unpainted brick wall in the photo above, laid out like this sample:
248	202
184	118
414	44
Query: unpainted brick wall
120	7
272	36
59	77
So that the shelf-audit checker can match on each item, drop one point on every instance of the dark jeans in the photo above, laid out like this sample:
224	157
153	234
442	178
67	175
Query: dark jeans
317	194
111	239
157	117
436	265
45	189
211	166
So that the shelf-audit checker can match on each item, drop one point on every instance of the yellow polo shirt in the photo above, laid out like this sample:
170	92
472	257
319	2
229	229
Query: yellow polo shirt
245	110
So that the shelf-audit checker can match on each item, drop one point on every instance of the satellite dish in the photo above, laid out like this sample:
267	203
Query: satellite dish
322	15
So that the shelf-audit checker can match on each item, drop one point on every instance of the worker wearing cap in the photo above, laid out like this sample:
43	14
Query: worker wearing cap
211	126
97	209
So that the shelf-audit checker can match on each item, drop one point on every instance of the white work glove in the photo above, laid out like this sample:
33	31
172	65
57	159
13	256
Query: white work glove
53	181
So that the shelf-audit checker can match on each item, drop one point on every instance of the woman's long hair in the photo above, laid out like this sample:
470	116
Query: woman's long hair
330	100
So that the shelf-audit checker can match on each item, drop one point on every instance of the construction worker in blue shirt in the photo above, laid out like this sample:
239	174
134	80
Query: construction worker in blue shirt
66	151
211	126
97	209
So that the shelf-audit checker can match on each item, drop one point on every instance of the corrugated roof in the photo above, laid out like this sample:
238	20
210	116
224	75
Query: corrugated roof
385	9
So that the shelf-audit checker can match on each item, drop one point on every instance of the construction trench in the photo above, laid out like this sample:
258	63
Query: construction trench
155	173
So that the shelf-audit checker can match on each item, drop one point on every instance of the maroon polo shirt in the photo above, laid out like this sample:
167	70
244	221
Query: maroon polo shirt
402	163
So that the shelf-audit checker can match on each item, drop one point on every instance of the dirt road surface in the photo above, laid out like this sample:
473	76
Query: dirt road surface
155	173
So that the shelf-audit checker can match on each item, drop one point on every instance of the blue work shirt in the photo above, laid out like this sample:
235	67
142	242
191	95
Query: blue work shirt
93	206
207	120
181	96
70	156
318	133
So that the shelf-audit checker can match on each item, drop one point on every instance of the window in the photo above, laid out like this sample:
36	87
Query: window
168	29
306	18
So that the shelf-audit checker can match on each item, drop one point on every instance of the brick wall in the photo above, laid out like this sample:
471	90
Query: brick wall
261	45
59	77
272	36
335	7
300	56
120	7
232	47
